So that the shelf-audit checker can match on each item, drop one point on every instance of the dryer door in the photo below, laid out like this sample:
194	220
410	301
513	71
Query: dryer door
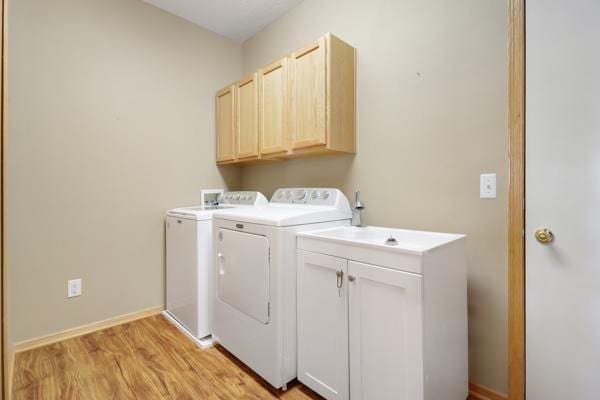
243	272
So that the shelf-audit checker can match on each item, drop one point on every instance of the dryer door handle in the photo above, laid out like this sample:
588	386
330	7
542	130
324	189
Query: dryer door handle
220	260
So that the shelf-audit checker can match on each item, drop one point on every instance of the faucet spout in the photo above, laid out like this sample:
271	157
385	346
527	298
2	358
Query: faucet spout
356	209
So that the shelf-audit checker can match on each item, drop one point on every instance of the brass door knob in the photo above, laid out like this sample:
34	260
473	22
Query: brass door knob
544	235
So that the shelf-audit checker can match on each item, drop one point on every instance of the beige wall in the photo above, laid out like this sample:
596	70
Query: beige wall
432	116
110	123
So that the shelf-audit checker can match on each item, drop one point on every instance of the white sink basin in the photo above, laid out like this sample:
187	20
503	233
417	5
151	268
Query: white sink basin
407	241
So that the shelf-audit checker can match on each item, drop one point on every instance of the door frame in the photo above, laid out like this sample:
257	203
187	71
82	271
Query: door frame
4	366
516	200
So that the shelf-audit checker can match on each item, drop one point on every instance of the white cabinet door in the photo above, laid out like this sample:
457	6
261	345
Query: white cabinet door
386	346
323	324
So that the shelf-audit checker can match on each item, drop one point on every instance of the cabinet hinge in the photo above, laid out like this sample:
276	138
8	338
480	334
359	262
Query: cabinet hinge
269	309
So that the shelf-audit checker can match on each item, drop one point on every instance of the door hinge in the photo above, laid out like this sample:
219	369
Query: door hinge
269	309
269	255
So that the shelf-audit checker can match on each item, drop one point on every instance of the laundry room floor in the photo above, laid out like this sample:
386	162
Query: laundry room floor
144	359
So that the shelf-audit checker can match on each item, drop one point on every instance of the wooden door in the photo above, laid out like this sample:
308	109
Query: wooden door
225	124
308	118
562	126
247	118
386	333
323	324
272	105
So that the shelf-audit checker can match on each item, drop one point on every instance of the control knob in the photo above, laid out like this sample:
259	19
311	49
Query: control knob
300	194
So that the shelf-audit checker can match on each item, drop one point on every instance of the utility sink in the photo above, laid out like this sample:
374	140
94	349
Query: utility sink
395	239
395	313
394	248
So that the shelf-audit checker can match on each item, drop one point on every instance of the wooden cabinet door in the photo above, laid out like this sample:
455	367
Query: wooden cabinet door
308	96
272	124
247	118
323	324
225	105
386	345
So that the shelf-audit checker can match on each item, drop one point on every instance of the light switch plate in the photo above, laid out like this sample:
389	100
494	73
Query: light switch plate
74	287
487	186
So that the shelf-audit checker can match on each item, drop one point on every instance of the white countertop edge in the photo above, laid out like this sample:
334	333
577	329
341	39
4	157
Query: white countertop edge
318	235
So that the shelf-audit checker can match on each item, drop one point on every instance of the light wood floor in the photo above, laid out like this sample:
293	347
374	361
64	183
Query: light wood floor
146	359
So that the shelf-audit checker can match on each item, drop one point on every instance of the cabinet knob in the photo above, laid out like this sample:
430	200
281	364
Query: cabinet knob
351	278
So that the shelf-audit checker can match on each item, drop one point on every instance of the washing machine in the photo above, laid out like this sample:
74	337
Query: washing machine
190	263
255	280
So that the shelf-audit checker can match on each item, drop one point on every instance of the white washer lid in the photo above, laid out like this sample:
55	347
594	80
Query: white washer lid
198	213
226	200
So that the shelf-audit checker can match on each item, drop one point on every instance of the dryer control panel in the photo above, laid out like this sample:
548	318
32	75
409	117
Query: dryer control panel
310	196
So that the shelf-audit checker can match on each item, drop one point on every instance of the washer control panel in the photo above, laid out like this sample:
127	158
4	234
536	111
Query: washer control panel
311	196
243	197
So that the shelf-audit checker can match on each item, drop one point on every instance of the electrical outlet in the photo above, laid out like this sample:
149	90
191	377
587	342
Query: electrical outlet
487	186
74	287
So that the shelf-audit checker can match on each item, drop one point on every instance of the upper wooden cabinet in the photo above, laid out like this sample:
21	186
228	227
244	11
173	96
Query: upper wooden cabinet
225	109
247	118
272	121
303	104
340	101
308	94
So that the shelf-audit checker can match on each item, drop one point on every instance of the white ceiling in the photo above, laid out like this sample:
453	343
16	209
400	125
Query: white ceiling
236	19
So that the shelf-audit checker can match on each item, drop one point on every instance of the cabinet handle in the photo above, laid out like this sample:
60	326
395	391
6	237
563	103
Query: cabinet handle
351	278
339	277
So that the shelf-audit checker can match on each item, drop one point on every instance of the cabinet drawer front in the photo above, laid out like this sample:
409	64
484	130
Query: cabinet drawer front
386	345
225	124
323	324
273	118
247	118
308	96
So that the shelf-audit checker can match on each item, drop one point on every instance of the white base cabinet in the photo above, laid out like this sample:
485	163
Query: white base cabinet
386	334
369	332
324	326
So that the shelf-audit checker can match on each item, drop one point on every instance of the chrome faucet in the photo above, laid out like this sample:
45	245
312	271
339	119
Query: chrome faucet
356	209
